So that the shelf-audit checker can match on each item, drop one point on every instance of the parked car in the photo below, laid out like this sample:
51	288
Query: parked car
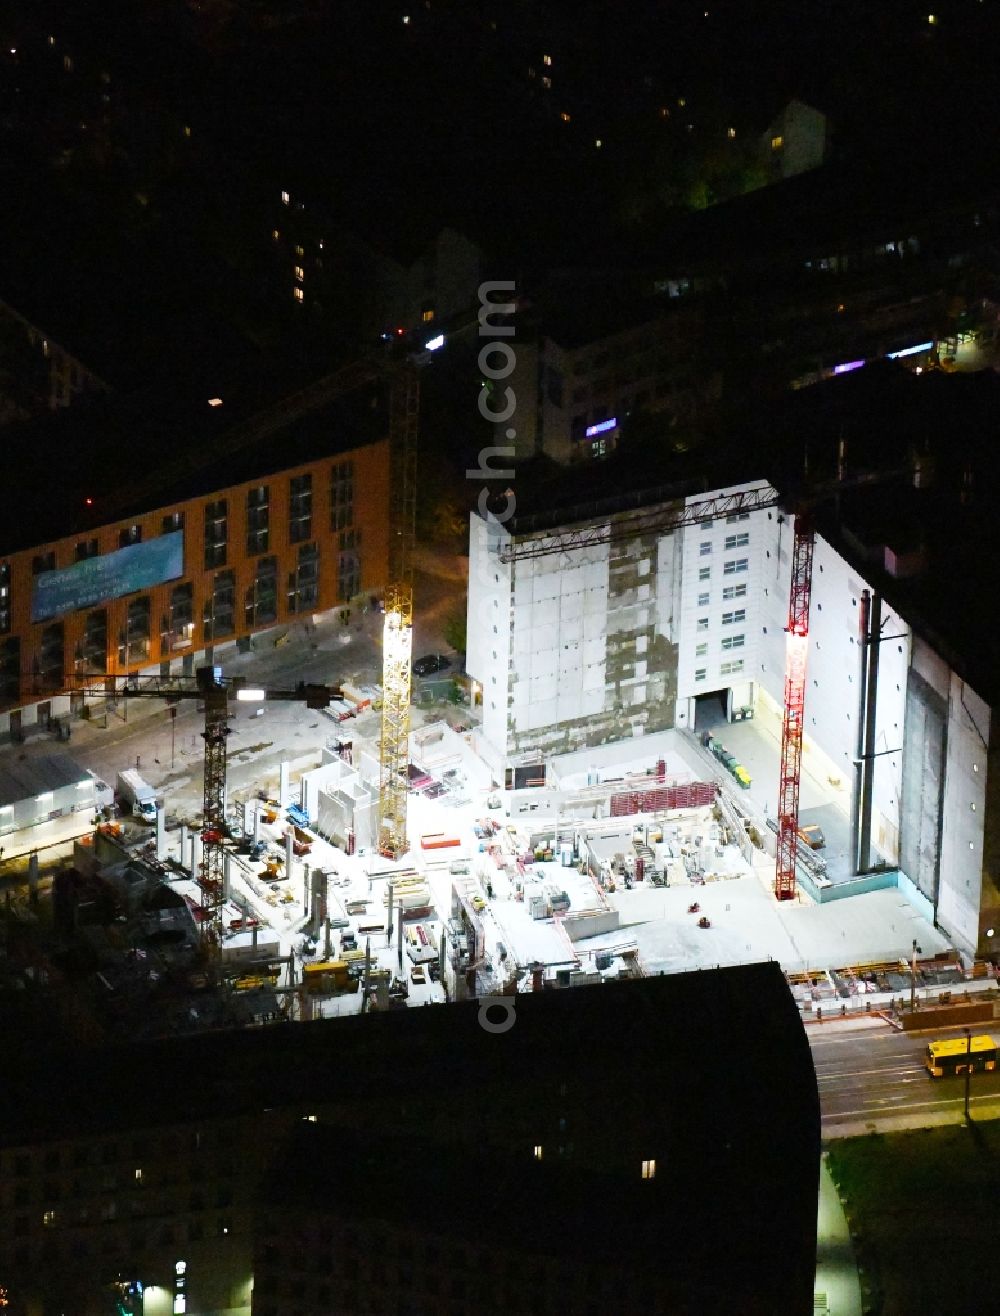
813	836
430	663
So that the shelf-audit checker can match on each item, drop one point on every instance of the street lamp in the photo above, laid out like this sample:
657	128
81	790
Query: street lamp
917	950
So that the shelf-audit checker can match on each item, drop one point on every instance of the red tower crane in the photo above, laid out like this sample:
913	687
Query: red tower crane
796	648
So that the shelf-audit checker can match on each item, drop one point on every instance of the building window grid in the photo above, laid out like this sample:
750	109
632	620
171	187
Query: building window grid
733	641
735	566
737	541
734	592
735	617
258	520
5	613
731	668
341	495
303	582
216	534
299	508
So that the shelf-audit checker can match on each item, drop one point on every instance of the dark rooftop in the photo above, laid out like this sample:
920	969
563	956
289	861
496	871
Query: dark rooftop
146	450
887	418
659	1067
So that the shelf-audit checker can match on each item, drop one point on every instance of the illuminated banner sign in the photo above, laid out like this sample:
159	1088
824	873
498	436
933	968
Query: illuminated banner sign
601	427
910	351
97	579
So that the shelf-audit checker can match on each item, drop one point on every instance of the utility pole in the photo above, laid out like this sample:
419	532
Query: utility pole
913	976
968	1072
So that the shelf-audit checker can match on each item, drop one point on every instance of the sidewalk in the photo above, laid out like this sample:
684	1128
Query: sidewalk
836	1269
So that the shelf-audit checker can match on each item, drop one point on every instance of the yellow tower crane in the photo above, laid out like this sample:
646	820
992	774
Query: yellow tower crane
404	411
397	631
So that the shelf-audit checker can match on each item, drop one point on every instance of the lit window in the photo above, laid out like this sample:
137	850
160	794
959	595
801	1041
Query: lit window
427	316
180	1267
730	133
180	1304
300	251
565	117
538	1151
406	20
275	234
681	102
285	199
547	83
777	143
138	1176
649	1169
187	131
48	1218
299	295
547	61
300	274
215	402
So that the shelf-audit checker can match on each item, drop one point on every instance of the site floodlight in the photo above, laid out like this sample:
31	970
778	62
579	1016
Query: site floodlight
249	695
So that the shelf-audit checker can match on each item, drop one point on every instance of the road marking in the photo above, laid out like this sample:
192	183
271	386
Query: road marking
883	1034
901	1109
862	1073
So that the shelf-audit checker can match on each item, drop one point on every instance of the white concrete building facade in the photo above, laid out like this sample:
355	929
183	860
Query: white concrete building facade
610	640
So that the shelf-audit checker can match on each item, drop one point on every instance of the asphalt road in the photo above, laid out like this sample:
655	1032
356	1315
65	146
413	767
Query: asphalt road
871	1077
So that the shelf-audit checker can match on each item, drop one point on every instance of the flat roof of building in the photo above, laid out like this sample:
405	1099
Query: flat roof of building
131	454
27	778
656	1068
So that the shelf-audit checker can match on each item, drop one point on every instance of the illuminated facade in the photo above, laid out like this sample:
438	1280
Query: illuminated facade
154	590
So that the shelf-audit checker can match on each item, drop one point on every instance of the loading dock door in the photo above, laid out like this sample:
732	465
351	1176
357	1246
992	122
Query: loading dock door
711	708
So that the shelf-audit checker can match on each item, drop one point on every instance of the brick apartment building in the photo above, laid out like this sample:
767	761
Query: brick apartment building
207	549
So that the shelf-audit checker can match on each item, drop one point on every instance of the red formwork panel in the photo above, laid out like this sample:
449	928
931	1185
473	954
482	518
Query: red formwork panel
692	795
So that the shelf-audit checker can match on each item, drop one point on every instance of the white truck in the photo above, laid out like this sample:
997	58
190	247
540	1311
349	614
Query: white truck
138	795
104	796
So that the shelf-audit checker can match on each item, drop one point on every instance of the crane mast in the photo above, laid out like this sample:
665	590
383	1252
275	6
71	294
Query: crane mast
214	831
397	631
796	650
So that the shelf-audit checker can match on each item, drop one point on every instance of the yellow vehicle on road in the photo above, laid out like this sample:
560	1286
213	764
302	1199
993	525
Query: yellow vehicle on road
956	1054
